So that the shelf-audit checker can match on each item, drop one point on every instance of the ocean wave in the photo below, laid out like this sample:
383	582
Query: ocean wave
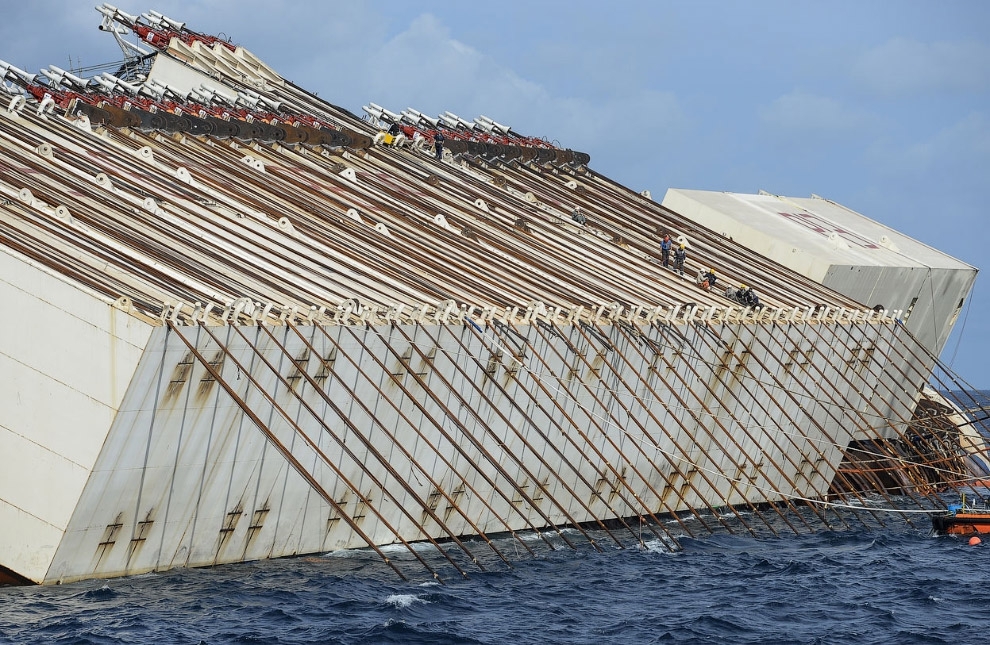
402	600
891	586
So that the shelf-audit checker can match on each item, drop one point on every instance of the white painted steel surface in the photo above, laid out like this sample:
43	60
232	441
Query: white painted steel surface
842	249
184	475
67	359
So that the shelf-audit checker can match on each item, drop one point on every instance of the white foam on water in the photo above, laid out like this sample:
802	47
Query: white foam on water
659	546
402	600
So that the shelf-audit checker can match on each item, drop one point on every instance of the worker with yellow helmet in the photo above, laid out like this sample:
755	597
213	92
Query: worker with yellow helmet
680	254
708	279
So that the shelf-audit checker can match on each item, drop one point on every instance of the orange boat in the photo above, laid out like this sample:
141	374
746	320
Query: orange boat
960	519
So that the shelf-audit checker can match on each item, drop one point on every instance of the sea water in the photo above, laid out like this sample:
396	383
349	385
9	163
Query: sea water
895	583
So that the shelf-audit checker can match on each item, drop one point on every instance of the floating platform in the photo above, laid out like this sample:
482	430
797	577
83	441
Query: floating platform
962	519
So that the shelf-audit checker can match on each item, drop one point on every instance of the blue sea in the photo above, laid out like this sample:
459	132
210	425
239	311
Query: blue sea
893	584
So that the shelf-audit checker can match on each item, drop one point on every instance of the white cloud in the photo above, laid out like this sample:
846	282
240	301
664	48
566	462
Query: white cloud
902	67
810	114
425	68
960	150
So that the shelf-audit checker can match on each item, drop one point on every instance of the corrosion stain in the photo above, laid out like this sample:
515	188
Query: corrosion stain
230	525
141	530
207	382
179	377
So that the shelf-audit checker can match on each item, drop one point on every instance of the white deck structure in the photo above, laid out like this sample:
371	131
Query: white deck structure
871	263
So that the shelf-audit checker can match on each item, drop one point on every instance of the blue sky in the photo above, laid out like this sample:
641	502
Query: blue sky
881	106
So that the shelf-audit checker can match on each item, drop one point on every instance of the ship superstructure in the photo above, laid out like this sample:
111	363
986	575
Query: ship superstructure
243	323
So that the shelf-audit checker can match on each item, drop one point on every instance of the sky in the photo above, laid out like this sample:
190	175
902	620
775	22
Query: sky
883	107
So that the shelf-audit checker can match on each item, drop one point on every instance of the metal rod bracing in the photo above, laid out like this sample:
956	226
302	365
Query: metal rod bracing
621	484
532	277
323	457
794	423
369	445
794	362
685	465
299	205
715	345
530	425
397	443
633	337
964	390
584	330
704	448
618	209
594	423
283	450
708	248
167	189
99	204
902	398
509	239
398	223
263	197
261	188
481	424
533	425
178	251
854	345
724	373
788	388
438	425
497	229
349	451
917	354
613	420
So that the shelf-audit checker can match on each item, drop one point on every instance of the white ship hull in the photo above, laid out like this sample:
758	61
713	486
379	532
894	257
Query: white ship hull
317	438
236	324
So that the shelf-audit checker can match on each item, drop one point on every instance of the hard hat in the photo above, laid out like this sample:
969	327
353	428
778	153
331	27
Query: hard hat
742	286
712	271
682	246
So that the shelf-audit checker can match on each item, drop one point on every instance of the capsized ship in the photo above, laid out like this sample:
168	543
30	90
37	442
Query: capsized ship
242	322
